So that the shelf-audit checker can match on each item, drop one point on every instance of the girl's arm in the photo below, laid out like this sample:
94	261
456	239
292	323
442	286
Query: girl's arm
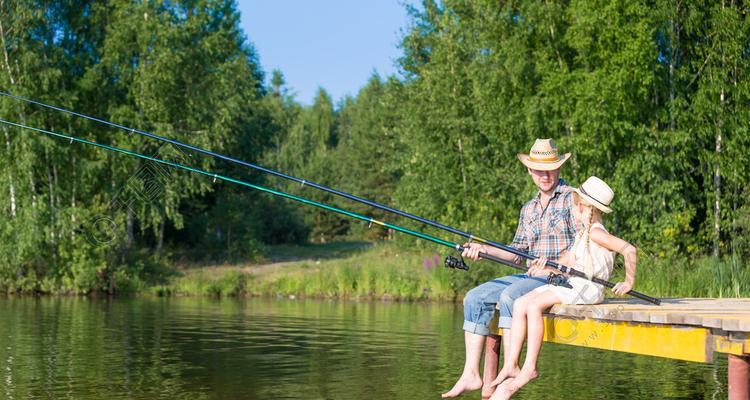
628	251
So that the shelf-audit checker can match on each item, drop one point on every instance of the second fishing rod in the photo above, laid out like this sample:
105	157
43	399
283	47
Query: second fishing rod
455	263
303	182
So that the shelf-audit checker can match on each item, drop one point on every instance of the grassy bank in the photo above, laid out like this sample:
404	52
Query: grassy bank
360	271
703	277
372	272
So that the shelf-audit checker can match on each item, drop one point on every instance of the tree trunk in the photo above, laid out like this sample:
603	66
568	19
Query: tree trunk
461	160
51	185
717	170
5	129
160	238
129	228
32	189
5	47
56	200
73	201
10	175
717	194
51	188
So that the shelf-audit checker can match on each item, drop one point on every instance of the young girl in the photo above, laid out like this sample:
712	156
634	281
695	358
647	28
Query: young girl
592	253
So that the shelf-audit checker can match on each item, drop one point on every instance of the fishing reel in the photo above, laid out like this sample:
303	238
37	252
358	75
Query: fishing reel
455	263
558	280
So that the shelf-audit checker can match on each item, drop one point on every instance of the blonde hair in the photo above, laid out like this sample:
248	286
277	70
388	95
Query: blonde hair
590	215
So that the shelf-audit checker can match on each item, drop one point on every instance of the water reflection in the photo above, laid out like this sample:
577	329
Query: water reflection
197	348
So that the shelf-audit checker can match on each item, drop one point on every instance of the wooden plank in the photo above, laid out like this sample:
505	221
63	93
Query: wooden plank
737	344
695	317
727	314
614	321
612	308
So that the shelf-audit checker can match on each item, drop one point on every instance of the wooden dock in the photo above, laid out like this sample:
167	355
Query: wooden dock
682	329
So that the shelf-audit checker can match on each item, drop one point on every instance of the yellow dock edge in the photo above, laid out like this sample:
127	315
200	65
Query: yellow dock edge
677	342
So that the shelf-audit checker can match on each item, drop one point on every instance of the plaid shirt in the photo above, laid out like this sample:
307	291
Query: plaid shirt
547	232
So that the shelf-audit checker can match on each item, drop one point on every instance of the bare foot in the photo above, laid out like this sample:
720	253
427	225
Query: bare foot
487	391
466	383
513	385
504	374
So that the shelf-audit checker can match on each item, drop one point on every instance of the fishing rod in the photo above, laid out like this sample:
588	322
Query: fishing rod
450	263
303	182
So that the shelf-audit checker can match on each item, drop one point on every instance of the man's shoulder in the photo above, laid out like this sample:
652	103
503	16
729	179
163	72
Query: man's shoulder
564	188
565	191
528	204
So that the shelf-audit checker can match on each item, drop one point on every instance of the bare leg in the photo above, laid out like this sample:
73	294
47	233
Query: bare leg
536	306
491	356
540	303
517	336
506	345
470	378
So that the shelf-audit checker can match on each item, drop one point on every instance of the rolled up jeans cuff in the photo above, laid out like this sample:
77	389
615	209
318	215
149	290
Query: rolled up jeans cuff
504	322
479	329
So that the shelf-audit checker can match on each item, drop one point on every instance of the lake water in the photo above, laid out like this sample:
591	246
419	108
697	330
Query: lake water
201	348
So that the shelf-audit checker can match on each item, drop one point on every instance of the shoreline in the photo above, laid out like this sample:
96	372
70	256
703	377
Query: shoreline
363	271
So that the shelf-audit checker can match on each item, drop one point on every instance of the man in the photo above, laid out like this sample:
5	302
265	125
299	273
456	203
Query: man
545	229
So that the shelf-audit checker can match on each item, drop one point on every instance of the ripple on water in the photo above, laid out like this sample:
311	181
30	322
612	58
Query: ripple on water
258	349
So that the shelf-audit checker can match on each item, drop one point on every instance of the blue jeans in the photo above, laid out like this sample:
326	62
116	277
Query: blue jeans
480	302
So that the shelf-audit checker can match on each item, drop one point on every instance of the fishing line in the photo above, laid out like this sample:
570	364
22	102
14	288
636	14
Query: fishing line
302	182
458	247
262	189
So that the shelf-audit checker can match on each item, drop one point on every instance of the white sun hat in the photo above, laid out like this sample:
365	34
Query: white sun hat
597	193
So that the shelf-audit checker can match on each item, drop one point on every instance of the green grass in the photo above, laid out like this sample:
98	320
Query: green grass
230	282
378	272
704	277
361	271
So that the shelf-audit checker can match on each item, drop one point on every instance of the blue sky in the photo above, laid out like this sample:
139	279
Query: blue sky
334	44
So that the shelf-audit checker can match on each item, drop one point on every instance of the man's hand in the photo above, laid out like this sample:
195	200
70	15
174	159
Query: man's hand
472	250
538	267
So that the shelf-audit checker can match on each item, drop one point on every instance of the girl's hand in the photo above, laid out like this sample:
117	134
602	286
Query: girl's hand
538	267
622	288
472	250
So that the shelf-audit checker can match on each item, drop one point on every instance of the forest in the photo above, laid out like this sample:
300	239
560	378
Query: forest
651	96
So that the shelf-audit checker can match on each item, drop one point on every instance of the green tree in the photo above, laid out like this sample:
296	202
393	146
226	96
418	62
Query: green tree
308	153
179	69
369	154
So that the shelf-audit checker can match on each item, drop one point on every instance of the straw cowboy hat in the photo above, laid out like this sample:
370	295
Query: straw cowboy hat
543	156
597	193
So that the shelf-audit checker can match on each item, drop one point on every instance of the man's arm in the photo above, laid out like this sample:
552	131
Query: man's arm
472	250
